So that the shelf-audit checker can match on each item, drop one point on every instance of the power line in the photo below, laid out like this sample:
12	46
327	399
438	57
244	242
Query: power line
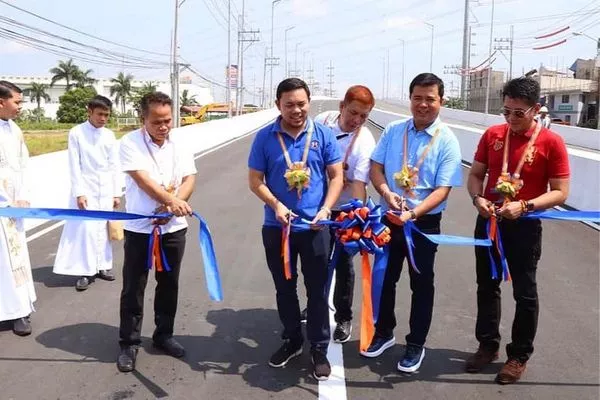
81	32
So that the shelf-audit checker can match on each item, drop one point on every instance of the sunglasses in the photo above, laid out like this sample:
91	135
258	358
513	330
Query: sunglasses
517	113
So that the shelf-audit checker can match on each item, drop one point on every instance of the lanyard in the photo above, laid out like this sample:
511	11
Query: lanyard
158	168
286	154
517	173
423	155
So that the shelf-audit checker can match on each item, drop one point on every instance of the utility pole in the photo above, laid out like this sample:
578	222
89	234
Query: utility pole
465	52
269	62
489	69
388	73
508	46
330	75
244	36
384	76
402	87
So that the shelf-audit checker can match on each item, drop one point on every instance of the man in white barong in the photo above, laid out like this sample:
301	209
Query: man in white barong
17	293
85	249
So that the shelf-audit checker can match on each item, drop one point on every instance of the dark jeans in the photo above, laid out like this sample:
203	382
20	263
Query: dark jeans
313	249
343	293
135	278
421	284
522	242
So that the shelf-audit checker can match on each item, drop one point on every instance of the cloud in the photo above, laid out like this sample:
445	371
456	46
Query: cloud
310	8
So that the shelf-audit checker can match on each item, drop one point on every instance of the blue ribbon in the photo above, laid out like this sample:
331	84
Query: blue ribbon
378	275
213	280
582	216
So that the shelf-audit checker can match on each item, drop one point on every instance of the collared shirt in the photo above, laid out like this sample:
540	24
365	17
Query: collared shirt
547	159
441	167
267	157
93	161
167	165
359	158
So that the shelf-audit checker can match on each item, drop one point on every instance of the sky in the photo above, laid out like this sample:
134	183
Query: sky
353	36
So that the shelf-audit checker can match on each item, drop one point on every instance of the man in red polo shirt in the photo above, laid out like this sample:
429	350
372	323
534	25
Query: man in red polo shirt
523	159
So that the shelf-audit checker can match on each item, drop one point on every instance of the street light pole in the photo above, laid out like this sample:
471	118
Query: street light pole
431	49
286	51
271	60
228	90
402	87
296	59
489	70
175	67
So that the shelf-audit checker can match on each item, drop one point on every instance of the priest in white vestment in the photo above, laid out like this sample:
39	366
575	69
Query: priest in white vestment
85	249
17	293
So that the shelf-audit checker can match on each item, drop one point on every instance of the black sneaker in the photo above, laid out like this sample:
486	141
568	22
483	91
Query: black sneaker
342	332
322	368
285	353
303	316
378	346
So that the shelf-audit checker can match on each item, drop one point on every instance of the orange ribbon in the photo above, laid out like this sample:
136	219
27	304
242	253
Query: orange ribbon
285	249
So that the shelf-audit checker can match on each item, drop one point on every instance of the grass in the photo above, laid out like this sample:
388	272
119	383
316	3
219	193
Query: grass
42	142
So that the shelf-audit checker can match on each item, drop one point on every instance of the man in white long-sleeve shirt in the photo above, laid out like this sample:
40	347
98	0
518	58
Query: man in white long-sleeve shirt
84	248
17	293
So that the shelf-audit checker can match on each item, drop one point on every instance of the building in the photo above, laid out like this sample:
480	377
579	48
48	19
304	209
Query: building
201	94
477	91
572	95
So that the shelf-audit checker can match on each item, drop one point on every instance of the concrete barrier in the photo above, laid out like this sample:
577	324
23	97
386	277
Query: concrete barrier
48	174
573	135
585	164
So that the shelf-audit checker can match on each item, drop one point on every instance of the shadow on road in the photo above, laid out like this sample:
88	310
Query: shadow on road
50	279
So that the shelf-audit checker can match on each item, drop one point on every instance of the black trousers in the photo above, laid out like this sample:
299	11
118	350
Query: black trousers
135	278
522	242
313	249
421	284
343	293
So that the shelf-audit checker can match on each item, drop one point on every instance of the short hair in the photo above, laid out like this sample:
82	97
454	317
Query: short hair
427	79
360	93
523	88
99	102
7	88
150	99
290	84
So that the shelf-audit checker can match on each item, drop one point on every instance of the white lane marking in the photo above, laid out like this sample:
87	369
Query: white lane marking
201	154
44	231
335	387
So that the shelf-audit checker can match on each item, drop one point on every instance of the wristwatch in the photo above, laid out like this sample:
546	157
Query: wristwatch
529	206
413	215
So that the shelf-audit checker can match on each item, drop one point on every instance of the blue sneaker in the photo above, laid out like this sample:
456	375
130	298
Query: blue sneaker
411	361
378	346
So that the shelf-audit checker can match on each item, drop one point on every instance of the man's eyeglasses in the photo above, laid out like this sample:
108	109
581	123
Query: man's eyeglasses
517	112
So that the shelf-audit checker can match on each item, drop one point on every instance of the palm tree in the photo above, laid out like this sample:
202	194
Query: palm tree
138	93
121	89
83	78
66	71
37	93
187	101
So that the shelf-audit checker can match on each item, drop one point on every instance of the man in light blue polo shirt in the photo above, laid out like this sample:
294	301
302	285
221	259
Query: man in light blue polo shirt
413	167
295	168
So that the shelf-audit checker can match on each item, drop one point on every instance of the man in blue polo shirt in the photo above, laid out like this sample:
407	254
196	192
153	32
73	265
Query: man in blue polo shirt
295	168
413	167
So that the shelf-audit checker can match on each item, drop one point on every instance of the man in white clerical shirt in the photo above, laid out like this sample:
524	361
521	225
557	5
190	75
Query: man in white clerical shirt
85	248
17	293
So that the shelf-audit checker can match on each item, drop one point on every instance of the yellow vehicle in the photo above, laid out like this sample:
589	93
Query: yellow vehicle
196	116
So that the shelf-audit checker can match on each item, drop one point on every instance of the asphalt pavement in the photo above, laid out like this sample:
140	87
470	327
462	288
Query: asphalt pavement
71	353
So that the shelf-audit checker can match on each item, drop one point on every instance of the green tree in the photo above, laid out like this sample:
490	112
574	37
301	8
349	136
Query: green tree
73	105
83	78
186	100
121	89
455	102
66	71
37	93
136	96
